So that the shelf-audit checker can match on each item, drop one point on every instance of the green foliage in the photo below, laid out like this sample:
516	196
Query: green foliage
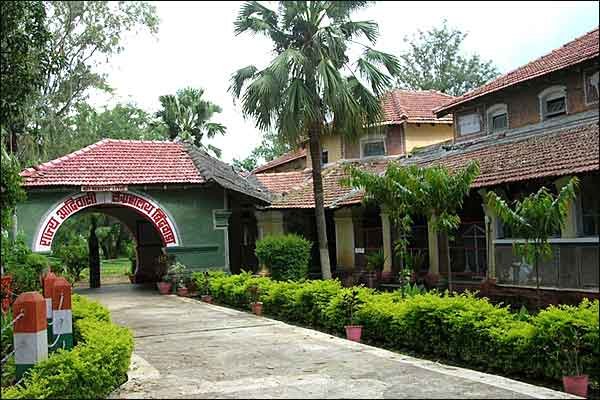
10	184
376	261
286	256
434	61
74	257
186	115
23	265
460	328
271	147
92	369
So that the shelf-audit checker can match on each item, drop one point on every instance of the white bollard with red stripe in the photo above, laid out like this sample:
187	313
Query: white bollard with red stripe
62	318
48	282
29	332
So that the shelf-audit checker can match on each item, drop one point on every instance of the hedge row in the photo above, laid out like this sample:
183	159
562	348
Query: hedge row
460	328
96	366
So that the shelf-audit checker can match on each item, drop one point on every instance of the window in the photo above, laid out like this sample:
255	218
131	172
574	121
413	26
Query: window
553	102
497	117
324	157
469	124
373	146
592	93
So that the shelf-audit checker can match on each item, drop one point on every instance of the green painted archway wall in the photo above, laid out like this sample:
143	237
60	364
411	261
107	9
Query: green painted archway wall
199	214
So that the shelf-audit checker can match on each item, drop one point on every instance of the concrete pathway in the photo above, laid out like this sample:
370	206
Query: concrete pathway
188	349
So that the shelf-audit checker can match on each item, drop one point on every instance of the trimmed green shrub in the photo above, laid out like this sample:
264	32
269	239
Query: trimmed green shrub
75	257
461	328
92	369
286	256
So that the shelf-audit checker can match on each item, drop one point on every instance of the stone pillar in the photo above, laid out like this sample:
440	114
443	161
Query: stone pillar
491	233
434	250
344	238
386	230
29	332
570	230
269	222
62	319
48	283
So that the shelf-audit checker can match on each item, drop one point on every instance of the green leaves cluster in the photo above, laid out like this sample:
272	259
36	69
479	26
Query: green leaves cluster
186	115
434	61
286	256
96	366
10	188
457	328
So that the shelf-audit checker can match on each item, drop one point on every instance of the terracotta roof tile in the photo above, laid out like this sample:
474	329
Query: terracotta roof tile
414	106
282	182
581	49
113	162
287	157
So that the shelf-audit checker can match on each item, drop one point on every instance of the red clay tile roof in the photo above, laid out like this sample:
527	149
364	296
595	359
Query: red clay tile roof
581	49
282	182
414	106
558	152
113	162
287	157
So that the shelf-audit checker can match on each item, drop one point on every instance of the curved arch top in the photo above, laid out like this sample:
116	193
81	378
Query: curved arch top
161	220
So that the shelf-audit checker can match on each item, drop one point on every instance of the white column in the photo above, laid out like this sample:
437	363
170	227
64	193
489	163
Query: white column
569	230
433	245
386	230
491	234
269	222
344	238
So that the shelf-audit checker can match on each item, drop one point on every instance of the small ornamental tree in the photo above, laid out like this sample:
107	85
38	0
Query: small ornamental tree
286	256
405	191
535	219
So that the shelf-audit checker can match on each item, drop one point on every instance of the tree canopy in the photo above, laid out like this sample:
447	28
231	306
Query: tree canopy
435	60
187	117
271	147
312	85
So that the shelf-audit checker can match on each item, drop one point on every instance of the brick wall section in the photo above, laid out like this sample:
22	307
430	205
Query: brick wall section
523	102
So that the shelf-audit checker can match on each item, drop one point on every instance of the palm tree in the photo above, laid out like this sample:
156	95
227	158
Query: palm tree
186	116
311	87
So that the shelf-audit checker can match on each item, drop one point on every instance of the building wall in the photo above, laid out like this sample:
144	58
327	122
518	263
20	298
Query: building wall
523	102
295	165
201	245
333	145
419	135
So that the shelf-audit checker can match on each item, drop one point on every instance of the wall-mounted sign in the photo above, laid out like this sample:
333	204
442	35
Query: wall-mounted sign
104	188
359	250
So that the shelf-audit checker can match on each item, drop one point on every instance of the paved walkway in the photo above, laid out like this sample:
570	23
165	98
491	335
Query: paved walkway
188	349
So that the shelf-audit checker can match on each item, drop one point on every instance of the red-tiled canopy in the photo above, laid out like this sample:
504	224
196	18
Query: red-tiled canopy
581	49
117	162
414	106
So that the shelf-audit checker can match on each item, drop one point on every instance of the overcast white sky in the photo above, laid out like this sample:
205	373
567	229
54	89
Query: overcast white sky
196	47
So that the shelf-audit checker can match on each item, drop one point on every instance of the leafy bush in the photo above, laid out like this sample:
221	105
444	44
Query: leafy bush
23	265
75	257
92	369
286	256
460	328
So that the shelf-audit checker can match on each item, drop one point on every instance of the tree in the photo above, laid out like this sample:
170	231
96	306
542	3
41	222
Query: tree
434	61
23	62
10	187
271	147
187	116
83	35
534	219
406	191
311	86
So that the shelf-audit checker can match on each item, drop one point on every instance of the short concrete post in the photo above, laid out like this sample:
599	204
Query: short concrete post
48	281
62	318
30	338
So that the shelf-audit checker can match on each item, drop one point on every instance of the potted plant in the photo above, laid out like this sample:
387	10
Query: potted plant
375	263
182	289
256	305
206	297
352	302
574	381
170	278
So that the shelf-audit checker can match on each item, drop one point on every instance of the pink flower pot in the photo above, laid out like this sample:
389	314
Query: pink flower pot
257	308
577	385
182	292
207	298
164	287
353	332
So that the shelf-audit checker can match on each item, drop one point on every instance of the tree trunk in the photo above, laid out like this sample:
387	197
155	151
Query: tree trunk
94	256
447	244
315	154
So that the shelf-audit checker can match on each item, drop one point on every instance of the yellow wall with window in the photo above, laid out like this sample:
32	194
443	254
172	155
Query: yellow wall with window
333	145
421	135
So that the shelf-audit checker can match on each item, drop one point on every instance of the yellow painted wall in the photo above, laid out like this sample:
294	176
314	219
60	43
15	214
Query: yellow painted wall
426	134
333	145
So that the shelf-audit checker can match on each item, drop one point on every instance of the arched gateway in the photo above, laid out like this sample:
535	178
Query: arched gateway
173	197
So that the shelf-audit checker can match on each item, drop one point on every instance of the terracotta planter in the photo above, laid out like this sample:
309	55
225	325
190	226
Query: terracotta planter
182	291
132	278
577	385
257	308
164	287
207	298
353	332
